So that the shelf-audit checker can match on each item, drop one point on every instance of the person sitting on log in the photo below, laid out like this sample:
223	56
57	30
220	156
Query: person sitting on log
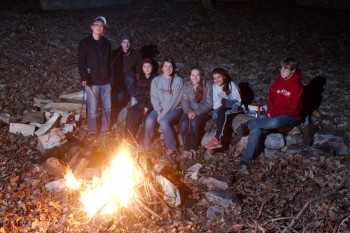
143	97
196	103
283	111
227	104
166	94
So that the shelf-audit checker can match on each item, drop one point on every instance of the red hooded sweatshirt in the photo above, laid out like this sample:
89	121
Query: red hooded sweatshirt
285	96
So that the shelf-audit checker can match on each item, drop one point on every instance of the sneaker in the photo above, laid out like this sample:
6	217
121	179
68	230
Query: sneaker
214	143
243	168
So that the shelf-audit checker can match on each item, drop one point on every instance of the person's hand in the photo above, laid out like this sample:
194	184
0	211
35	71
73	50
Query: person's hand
83	83
269	115
145	110
191	115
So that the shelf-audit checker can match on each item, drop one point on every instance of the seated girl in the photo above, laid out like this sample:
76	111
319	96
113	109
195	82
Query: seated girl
227	104
196	103
166	94
143	99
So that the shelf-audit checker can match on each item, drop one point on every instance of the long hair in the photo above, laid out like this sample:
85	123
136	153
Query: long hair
198	96
226	77
172	62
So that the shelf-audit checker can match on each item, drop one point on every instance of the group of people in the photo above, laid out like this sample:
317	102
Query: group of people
111	77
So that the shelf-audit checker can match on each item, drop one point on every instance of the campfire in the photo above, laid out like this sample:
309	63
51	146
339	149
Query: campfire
128	182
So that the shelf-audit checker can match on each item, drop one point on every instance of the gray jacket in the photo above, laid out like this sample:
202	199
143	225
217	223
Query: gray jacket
188	102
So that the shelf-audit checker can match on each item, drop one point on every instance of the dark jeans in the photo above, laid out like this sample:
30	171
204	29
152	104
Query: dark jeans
191	130
261	126
134	118
225	115
130	83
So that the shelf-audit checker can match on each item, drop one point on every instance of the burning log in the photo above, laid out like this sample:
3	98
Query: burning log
129	181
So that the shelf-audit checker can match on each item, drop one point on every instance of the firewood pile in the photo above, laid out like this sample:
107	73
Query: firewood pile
304	192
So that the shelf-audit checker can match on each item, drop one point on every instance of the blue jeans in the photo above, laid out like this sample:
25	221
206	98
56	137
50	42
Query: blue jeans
191	130
166	124
94	94
130	83
261	126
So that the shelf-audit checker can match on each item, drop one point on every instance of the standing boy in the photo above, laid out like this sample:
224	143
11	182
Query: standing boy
284	108
126	65
94	59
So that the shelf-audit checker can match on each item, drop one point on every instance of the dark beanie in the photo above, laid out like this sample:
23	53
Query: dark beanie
125	36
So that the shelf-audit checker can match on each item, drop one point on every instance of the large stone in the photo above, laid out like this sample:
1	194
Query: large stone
271	153
207	137
274	141
220	198
294	140
239	124
331	143
215	182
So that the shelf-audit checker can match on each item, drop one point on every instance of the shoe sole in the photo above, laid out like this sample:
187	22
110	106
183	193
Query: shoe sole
215	147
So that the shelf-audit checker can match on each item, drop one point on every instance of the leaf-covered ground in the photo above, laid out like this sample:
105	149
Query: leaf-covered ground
308	191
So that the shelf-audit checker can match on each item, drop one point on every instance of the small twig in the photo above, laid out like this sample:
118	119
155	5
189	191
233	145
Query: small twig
262	206
277	219
297	217
146	208
342	222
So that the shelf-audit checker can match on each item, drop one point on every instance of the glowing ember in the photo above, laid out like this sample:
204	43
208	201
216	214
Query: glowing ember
115	188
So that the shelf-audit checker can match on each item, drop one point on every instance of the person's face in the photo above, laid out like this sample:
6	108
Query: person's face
98	28
147	69
218	79
286	73
125	45
195	77
167	69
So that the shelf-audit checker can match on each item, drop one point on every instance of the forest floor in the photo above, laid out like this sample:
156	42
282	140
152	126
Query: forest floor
307	192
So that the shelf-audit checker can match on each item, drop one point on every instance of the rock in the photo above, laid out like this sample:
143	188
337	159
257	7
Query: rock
56	185
215	212
219	197
331	143
274	141
271	153
207	137
239	124
194	170
211	183
294	140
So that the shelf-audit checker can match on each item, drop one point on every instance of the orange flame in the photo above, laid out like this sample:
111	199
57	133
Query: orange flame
115	188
